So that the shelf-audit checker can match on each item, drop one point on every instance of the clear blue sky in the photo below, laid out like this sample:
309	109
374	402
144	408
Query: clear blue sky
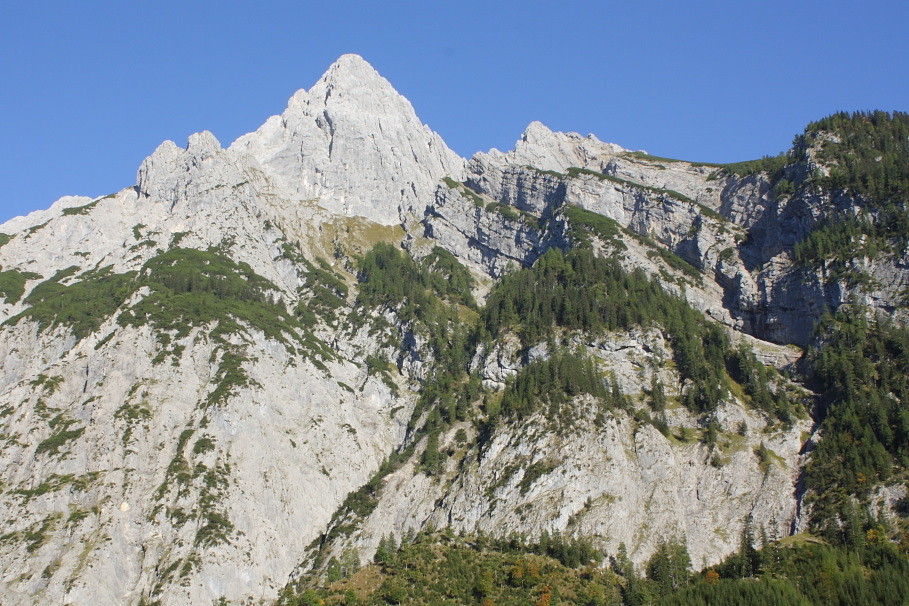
88	89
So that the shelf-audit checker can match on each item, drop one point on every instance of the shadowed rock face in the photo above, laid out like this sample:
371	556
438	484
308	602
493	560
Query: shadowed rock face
166	452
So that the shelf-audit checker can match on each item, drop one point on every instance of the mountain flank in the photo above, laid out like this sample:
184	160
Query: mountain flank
333	361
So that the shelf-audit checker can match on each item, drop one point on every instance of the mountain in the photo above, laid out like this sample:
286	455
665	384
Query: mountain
263	359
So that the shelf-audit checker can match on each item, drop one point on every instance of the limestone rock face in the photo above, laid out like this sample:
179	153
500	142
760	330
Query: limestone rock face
604	477
615	483
173	174
647	217
489	241
544	149
355	145
732	229
152	492
132	484
266	470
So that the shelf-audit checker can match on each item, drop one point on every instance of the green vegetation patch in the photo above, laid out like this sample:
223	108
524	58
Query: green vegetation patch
772	165
534	472
447	276
861	370
835	243
131	414
357	505
213	525
649	158
585	223
574	172
35	229
579	291
47	384
194	288
4	239
866	154
509	212
56	482
12	284
431	297
576	290
216	528
875	572
188	288
550	384
36	535
391	279
191	288
82	306
176	238
52	444
178	471
549	173
442	569
323	292
675	262
80	210
465	191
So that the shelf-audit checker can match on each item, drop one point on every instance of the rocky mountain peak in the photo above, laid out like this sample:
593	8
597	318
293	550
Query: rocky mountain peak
350	81
536	132
545	149
203	144
172	174
350	72
353	117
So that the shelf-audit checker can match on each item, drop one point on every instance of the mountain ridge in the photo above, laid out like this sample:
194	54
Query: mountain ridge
268	355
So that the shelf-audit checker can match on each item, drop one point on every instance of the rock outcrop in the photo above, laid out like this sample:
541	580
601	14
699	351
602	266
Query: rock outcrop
609	476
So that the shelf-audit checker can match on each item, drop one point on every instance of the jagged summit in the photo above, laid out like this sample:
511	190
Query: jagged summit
543	148
353	117
536	131
352	79
203	143
350	71
349	63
